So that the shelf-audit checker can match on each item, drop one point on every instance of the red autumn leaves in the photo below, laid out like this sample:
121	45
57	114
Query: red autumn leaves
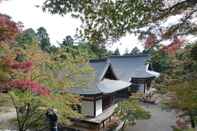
170	49
26	66
8	33
8	28
150	41
24	84
29	85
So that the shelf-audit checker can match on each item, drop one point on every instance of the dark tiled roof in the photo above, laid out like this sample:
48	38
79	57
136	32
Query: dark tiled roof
100	67
108	86
104	86
131	66
124	67
99	85
84	90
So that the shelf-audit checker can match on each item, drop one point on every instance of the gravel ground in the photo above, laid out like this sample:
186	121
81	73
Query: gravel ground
161	120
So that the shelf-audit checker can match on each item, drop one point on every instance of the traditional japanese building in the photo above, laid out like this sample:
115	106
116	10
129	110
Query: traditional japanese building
111	82
103	91
134	69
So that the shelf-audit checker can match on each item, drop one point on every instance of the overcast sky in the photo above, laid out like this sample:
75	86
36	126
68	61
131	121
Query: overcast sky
57	26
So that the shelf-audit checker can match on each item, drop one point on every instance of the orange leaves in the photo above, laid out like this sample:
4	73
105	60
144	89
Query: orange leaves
170	49
174	46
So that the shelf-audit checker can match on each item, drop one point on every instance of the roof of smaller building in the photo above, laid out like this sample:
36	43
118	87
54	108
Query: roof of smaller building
130	66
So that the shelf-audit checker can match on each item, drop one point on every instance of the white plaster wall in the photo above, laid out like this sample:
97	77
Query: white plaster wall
99	107
87	108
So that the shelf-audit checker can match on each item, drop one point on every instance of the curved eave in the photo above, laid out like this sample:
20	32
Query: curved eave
83	91
107	86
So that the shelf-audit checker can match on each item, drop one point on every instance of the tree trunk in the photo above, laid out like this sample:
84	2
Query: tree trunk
192	120
123	126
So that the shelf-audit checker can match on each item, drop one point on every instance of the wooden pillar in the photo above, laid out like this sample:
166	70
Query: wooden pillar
94	106
103	124
144	87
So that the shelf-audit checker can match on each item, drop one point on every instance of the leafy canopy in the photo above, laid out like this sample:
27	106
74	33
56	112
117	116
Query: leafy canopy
105	20
130	110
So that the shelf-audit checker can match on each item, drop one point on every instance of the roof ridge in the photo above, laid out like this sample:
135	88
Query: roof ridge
126	56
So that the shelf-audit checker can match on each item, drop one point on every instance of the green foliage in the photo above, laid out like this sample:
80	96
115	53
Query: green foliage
64	106
182	90
179	82
87	50
111	19
43	38
130	110
68	41
26	37
5	100
160	61
103	19
116	52
194	52
135	51
58	70
29	110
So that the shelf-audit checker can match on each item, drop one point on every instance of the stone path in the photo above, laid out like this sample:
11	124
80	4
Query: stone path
5	124
7	116
161	120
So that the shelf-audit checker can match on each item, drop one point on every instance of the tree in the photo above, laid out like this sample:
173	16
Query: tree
109	20
28	106
94	50
180	81
181	100
160	61
129	111
194	52
8	28
26	37
116	52
68	41
135	51
32	74
43	38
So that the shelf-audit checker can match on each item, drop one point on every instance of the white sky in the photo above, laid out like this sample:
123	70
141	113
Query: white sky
57	26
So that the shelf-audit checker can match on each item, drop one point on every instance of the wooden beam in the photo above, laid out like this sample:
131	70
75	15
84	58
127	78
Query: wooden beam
94	107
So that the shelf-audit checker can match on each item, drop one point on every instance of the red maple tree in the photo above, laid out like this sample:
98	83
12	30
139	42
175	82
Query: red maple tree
28	85
8	33
8	28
